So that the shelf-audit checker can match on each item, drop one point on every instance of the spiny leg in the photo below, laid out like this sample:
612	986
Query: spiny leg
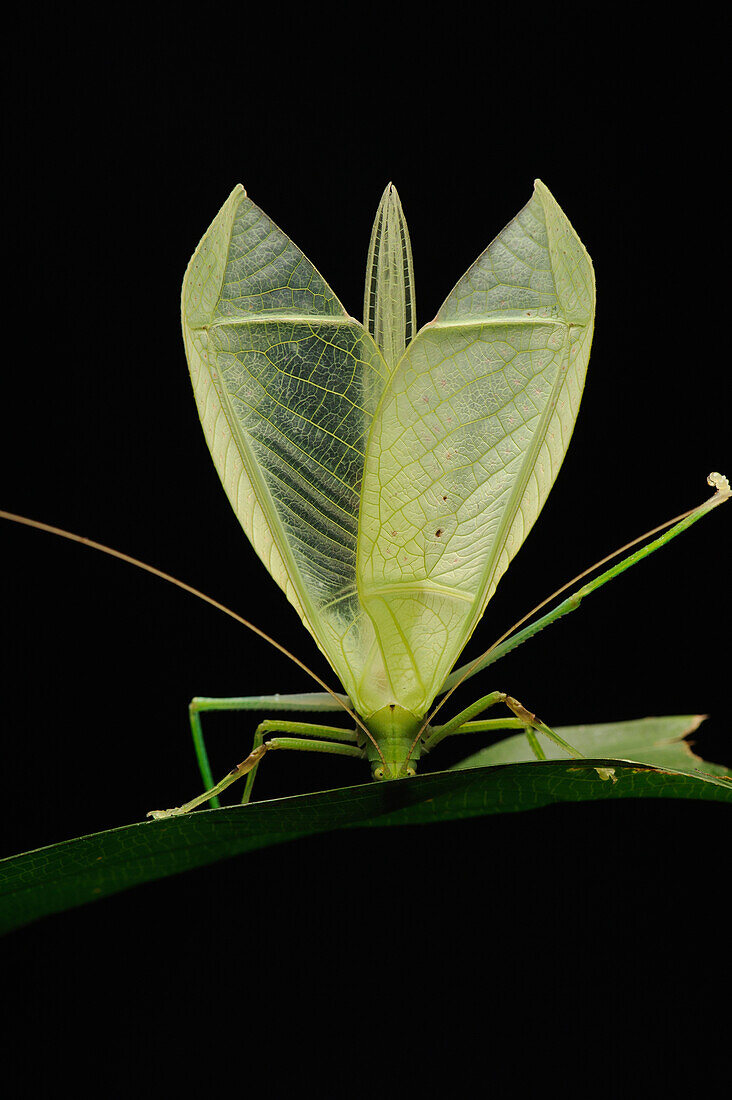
250	764
304	701
571	603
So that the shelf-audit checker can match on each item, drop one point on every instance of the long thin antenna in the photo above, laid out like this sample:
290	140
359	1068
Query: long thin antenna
26	522
722	492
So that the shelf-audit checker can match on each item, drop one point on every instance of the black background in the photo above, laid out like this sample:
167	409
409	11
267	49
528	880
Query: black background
592	934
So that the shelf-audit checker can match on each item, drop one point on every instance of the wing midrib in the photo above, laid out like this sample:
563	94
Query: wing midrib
501	319
265	501
423	588
259	488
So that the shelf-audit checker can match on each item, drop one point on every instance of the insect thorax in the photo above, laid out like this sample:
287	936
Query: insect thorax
394	730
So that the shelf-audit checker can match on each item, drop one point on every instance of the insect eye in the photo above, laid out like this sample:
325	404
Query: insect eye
411	772
378	773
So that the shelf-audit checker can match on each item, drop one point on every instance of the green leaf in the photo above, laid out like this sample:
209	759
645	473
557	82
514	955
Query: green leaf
467	441
659	741
74	872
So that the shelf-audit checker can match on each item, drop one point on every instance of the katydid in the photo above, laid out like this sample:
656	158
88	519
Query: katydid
386	476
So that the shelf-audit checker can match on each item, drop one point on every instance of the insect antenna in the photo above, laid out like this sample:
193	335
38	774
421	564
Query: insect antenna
26	522
722	493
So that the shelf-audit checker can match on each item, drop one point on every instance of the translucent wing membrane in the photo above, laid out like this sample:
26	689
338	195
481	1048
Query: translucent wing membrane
389	308
386	482
466	444
286	385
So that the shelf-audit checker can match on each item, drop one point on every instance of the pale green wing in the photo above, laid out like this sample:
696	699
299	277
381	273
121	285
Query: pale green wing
389	311
468	439
286	385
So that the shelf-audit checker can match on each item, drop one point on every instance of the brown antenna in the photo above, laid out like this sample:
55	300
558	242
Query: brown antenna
26	522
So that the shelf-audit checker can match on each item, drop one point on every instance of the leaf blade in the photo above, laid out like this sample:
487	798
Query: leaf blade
74	872
658	741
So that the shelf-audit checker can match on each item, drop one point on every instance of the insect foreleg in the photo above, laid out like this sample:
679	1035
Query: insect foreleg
307	730
304	701
249	765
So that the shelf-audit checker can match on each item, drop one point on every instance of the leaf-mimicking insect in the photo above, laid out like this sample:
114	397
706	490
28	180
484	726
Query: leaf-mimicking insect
386	476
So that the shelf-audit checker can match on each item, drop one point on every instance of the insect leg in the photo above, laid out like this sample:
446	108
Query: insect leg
306	730
305	701
487	725
531	723
438	733
250	764
721	494
525	719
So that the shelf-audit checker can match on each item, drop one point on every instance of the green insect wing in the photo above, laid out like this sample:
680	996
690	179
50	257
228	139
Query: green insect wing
286	385
386	482
468	439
